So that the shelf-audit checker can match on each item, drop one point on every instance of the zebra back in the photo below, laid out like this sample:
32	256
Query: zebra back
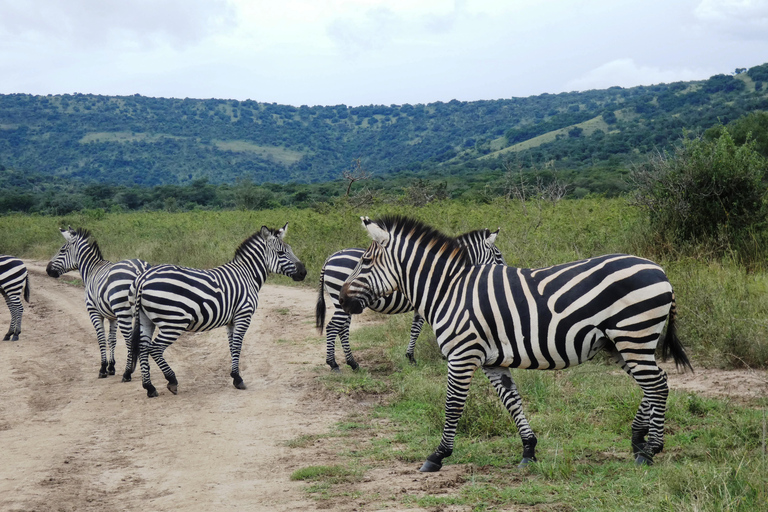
13	277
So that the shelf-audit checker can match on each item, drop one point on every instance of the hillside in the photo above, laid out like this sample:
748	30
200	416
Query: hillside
138	140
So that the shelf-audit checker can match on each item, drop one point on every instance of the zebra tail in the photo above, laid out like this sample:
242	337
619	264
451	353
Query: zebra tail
135	330
26	288
670	344
320	306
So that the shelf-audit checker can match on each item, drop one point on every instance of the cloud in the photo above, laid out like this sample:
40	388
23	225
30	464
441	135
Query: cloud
94	23
743	19
626	73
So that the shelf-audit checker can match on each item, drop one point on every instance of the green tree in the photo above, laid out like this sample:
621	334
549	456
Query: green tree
711	191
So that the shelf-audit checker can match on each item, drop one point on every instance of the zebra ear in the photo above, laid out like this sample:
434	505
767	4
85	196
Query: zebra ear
66	234
266	232
375	231
492	237
282	231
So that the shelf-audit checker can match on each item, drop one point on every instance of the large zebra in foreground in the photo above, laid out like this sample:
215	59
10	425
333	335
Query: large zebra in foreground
496	317
14	282
178	299
106	291
481	248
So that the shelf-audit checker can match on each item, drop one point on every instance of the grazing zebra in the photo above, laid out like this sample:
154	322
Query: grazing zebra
498	317
14	280
479	243
178	299
106	291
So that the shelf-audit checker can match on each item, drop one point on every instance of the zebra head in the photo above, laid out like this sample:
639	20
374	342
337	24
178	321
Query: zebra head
397	242
278	255
481	247
76	247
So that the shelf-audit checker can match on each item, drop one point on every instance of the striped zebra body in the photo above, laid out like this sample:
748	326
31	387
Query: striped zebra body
175	299
481	248
496	317
14	282
106	292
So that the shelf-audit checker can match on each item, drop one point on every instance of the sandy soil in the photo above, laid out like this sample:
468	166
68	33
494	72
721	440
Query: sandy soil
72	442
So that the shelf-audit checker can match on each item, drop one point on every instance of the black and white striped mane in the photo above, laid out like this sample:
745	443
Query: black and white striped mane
85	235
415	229
242	249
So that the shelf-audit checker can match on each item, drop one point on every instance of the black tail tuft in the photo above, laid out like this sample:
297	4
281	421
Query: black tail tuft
320	306
670	344
26	289
136	329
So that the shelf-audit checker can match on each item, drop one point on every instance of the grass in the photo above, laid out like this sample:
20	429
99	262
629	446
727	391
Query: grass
714	456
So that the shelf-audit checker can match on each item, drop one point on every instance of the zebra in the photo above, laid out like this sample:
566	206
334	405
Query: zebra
176	299
499	317
106	291
14	280
482	249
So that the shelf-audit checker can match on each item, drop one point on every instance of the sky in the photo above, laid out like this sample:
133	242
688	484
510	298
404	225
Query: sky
370	52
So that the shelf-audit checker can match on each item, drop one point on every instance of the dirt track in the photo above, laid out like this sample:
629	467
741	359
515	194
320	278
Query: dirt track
73	442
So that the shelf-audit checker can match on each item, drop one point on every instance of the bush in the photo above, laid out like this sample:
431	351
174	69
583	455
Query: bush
708	191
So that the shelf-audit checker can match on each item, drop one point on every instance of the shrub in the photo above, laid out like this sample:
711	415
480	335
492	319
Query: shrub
710	191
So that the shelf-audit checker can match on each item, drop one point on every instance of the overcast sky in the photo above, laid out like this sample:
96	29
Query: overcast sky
362	52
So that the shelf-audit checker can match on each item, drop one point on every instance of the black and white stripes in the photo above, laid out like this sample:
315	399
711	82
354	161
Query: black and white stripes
481	249
14	282
496	317
176	299
106	291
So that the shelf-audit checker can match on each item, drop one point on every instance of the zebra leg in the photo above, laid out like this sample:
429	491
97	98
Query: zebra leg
165	337
112	341
416	325
16	309
459	378
235	333
641	422
338	325
124	323
653	407
501	378
146	328
98	323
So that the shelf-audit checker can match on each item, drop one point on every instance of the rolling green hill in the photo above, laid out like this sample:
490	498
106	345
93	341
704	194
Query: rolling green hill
144	141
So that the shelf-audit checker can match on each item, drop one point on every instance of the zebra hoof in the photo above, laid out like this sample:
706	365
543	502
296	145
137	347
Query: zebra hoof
126	377
152	393
111	371
335	369
411	359
353	364
525	462
173	388
430	467
7	337
102	375
15	337
642	460
240	385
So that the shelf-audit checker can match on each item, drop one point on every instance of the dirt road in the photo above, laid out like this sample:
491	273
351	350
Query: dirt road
72	442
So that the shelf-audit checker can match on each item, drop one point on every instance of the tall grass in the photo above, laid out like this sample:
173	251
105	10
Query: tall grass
723	306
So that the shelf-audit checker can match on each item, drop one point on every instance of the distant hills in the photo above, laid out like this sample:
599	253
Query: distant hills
137	140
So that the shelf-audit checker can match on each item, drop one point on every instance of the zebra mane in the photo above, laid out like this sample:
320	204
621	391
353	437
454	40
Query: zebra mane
412	228
242	248
84	234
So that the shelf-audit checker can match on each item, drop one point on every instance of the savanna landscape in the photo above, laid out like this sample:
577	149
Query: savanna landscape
302	437
676	173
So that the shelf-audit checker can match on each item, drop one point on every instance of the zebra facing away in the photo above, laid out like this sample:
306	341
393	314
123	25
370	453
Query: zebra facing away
14	282
176	299
480	245
106	291
498	317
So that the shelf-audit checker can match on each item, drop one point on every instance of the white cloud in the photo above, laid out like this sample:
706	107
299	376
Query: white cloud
740	18
626	73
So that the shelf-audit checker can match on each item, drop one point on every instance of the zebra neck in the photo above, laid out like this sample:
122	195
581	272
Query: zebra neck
88	263
253	269
427	285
